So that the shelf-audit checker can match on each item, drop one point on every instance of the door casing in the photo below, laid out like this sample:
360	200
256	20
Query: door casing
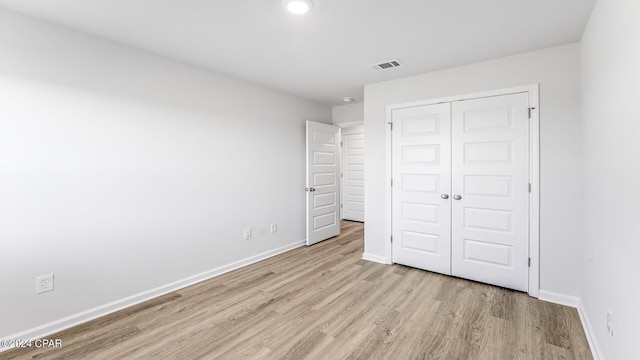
534	171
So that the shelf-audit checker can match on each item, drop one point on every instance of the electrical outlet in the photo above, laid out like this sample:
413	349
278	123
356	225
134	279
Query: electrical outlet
610	322
44	283
274	227
247	234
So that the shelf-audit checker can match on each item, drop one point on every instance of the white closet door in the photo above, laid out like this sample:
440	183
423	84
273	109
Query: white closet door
353	173
490	164
421	181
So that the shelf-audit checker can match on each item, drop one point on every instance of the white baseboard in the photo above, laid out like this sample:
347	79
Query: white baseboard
575	302
589	333
84	316
375	258
558	298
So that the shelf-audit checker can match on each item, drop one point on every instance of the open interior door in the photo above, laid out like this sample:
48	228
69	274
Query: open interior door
323	182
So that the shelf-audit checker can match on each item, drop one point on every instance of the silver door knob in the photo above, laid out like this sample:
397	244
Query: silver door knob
311	189
457	197
444	196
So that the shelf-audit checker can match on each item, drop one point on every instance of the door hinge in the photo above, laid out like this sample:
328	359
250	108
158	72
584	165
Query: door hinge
390	123
340	206
392	239
341	174
529	109
340	143
529	262
391	182
529	188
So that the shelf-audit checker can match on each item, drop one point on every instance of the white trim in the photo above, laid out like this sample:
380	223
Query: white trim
352	130
576	302
534	196
102	310
477	95
349	124
558	298
388	202
534	171
375	258
596	352
341	170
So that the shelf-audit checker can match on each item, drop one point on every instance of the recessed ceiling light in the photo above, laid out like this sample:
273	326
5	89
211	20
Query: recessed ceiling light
348	99
298	6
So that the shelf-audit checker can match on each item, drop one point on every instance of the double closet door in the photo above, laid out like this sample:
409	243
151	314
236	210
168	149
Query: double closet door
460	198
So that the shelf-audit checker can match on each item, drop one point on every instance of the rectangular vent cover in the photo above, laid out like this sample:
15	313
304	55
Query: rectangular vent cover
385	65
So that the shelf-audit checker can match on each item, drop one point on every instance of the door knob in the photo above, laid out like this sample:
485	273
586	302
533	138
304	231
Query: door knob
444	196
457	197
311	189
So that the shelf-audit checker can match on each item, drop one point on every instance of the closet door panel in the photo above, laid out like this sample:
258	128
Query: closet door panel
490	164
421	176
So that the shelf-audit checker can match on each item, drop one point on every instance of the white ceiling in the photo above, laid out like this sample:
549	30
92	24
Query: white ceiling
323	55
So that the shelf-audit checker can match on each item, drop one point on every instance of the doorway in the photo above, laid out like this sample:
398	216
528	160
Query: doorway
464	173
334	178
352	175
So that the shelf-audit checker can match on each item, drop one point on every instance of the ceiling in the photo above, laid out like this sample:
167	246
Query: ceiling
323	55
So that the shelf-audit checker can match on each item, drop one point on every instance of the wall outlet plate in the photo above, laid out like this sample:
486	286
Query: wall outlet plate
247	234
274	227
44	283
610	322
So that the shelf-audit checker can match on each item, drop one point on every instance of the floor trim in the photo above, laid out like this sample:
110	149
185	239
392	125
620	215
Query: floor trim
575	302
374	258
589	332
558	298
99	311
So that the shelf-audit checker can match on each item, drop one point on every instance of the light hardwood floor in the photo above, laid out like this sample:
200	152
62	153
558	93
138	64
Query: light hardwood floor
324	302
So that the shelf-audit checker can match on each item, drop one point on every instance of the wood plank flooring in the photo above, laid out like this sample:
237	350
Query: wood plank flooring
324	302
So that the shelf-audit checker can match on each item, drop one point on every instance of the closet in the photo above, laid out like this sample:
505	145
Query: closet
461	188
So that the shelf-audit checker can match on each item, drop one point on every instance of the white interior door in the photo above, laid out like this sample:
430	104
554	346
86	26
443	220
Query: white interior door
421	181
490	187
353	173
323	186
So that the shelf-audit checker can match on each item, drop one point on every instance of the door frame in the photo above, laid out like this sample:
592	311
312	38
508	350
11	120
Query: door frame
534	170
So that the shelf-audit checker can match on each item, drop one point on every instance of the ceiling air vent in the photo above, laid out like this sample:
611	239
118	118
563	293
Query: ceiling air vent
385	65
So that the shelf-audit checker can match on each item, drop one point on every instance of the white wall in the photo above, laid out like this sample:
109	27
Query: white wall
610	63
122	172
348	113
557	71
